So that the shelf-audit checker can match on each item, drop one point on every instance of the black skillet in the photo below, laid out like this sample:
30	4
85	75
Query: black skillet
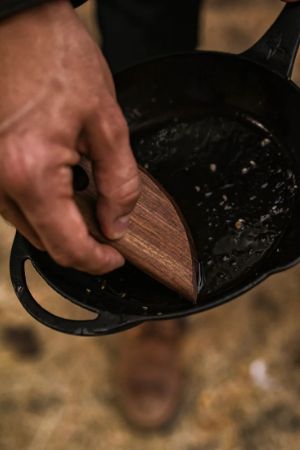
221	133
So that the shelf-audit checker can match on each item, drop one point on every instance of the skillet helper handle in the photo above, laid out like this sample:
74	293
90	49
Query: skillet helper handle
157	241
18	259
104	323
277	49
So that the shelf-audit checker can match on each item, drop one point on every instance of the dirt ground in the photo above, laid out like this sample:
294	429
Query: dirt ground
242	360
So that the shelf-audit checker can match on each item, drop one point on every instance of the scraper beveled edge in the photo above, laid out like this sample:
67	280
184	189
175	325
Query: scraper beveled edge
193	289
156	214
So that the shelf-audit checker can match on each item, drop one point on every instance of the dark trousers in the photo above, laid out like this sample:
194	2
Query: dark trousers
134	30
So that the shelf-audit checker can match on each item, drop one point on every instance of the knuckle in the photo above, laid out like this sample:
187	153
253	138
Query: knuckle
129	191
119	122
99	269
71	258
114	125
16	177
62	259
125	193
18	170
25	172
19	182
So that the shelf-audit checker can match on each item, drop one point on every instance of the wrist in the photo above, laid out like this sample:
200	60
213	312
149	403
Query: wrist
41	13
33	47
11	7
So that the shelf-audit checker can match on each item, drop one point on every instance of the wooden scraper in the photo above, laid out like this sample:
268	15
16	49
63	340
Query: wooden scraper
158	240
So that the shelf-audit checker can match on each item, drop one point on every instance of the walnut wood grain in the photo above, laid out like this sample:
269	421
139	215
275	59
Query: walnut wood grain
157	242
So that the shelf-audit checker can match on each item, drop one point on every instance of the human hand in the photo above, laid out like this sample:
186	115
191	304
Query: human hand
57	103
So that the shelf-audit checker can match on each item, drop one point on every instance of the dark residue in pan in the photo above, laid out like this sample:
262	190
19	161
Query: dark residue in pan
235	186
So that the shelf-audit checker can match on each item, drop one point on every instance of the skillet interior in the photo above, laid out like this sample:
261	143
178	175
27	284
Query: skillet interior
220	133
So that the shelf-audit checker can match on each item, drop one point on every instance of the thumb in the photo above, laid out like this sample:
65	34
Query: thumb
114	167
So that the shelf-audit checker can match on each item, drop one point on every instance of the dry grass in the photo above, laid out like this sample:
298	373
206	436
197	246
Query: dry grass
60	393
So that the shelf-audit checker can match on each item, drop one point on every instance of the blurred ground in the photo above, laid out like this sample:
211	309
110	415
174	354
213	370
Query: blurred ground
242	360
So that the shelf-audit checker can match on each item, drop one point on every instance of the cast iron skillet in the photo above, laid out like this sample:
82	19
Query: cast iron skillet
221	133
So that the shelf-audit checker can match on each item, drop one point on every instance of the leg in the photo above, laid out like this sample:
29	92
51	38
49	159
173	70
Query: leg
150	375
149	372
134	30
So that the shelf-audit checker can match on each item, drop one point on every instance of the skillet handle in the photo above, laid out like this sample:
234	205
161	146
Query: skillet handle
105	323
277	49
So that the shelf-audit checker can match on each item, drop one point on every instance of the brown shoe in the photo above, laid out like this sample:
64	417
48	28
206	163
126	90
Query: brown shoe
150	373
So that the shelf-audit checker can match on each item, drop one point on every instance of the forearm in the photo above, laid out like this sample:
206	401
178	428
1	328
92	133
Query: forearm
24	40
57	102
9	7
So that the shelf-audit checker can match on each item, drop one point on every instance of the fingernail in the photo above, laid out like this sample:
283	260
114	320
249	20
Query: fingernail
118	261
120	226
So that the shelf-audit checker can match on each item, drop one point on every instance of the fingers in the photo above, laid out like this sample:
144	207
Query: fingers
13	215
107	75
66	237
115	169
47	203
